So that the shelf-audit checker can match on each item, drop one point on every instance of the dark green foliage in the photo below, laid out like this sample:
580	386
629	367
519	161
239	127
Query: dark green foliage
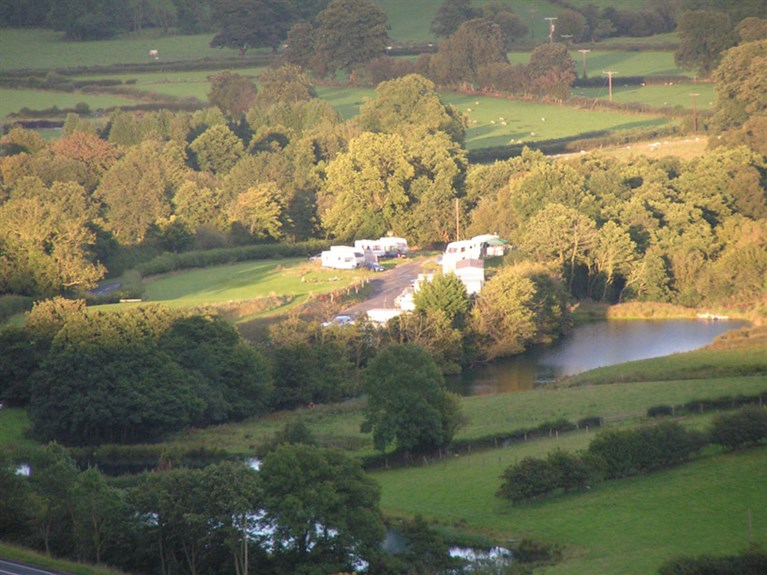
323	509
426	552
232	93
235	376
111	394
752	561
450	15
135	376
660	410
571	472
592	421
532	551
529	479
15	510
630	452
445	293
704	36
19	358
742	429
407	401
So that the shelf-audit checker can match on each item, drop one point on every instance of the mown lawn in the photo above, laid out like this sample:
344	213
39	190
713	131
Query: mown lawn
296	278
629	526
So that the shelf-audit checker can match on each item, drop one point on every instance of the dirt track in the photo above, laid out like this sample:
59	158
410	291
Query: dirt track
387	286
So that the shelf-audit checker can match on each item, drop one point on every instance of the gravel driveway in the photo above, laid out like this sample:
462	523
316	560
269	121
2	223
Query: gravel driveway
387	286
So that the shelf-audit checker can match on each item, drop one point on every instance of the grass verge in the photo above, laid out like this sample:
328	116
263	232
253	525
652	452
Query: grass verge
23	555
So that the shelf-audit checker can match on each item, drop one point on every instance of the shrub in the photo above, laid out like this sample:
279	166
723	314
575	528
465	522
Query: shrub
741	429
629	452
528	479
570	470
660	410
751	562
590	421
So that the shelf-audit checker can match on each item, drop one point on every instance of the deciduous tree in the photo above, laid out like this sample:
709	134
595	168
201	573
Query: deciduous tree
704	36
408	405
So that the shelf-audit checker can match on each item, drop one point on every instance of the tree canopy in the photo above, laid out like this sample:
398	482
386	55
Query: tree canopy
408	405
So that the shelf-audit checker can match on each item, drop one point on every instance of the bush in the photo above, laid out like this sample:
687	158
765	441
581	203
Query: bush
660	411
589	422
11	305
629	452
738	430
528	479
751	562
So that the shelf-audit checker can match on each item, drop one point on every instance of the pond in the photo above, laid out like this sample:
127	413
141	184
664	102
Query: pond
590	346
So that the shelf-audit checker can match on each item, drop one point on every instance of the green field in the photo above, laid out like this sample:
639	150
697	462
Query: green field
14	424
293	277
12	101
45	49
529	121
628	527
657	96
625	62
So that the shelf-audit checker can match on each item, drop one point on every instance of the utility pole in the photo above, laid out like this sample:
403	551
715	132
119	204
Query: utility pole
551	28
532	11
610	83
457	222
583	52
694	112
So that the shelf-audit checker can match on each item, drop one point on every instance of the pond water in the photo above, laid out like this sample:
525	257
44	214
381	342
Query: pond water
590	346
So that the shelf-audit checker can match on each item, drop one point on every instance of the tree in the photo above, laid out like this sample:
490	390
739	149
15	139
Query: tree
519	305
571	26
752	29
450	15
321	508
146	176
234	374
98	510
300	50
551	70
614	252
476	43
365	192
740	85
47	242
217	149
250	23
445	293
232	93
512	26
260	211
703	38
286	84
407	401
562	234
408	102
350	33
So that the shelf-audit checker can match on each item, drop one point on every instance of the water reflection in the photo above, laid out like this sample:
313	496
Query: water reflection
590	346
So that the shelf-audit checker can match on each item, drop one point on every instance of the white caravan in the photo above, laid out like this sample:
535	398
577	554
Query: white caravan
342	258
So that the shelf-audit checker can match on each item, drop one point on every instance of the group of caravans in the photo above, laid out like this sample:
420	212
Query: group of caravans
363	251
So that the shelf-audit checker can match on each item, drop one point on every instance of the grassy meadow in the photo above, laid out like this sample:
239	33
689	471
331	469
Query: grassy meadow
11	101
629	526
294	278
45	49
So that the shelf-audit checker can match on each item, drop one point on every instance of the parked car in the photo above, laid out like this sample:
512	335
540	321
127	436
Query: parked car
339	320
373	266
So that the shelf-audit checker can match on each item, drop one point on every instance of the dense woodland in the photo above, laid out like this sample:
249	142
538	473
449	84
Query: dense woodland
271	165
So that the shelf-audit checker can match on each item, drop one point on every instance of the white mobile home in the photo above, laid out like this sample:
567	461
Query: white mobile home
461	250
394	246
342	258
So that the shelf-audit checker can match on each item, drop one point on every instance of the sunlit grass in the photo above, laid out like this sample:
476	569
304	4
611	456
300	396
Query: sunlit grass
12	101
628	526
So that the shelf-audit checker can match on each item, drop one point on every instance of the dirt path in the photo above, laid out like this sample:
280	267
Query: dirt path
387	286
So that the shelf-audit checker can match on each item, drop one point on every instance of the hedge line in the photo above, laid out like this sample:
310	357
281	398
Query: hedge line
710	404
